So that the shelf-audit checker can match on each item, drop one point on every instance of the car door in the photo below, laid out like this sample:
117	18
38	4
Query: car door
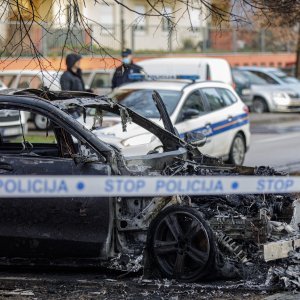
70	227
192	117
224	115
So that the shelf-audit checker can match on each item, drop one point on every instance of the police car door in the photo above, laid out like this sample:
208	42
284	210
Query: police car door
224	116
192	117
50	227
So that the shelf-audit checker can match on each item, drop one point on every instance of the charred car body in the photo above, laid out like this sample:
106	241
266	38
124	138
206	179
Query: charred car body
177	237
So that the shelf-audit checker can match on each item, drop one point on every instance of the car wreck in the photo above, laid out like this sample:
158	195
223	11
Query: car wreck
253	237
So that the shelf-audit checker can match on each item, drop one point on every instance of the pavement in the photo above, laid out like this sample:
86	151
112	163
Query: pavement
273	118
275	141
86	284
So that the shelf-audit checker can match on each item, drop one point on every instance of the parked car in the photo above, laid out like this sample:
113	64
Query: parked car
98	81
212	108
174	236
215	69
272	75
22	79
242	86
268	97
11	121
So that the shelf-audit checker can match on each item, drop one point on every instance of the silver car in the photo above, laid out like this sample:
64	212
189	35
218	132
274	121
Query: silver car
272	97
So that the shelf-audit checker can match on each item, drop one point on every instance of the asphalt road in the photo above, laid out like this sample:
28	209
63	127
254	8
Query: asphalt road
32	284
276	145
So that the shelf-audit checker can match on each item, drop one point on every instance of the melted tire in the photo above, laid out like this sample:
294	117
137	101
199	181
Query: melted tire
181	245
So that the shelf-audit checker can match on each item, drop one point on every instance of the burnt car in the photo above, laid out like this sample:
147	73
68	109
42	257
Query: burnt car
181	237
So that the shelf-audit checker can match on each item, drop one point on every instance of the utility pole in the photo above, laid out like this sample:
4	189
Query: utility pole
297	70
122	26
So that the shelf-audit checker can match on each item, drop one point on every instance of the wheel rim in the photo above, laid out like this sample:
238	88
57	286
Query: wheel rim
40	122
238	151
258	106
181	245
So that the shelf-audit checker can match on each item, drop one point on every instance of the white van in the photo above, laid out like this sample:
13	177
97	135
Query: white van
216	69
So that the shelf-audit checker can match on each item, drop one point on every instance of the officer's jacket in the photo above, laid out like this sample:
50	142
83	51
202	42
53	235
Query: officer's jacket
121	75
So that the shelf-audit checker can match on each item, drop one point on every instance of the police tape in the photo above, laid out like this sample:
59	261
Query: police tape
112	186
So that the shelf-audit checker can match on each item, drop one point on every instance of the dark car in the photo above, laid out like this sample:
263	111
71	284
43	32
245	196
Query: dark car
242	86
175	236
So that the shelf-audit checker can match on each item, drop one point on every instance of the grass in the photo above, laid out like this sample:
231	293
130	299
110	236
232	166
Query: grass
34	138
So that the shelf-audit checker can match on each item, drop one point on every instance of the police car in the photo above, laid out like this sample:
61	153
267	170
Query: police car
212	108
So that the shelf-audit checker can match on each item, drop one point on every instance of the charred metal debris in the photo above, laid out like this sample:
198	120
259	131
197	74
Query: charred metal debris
253	237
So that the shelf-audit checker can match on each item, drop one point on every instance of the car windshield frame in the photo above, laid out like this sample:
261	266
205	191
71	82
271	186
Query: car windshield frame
152	112
61	101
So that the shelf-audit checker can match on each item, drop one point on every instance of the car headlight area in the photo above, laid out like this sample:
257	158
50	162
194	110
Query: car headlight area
281	98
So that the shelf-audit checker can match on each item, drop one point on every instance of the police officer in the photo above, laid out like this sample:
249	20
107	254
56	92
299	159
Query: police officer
121	75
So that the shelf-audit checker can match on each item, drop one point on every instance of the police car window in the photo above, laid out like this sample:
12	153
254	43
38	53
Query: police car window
141	101
214	98
194	101
227	96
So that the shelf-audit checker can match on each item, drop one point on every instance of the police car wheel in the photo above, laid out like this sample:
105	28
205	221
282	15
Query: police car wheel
181	244
237	151
41	122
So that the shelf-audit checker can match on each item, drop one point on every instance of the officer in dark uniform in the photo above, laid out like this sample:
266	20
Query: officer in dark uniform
121	75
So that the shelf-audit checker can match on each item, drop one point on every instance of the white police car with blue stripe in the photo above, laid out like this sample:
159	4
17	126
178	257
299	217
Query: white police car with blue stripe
212	108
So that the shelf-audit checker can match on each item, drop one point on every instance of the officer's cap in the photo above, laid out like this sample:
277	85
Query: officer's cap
126	52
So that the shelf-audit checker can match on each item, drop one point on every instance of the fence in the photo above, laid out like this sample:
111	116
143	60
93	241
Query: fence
149	39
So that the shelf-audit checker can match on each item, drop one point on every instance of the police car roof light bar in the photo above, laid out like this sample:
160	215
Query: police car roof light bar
136	76
193	78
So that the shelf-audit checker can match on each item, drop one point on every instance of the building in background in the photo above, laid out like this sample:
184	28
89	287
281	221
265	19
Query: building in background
146	33
107	28
107	25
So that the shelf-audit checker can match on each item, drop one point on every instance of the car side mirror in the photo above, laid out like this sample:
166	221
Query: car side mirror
190	113
196	139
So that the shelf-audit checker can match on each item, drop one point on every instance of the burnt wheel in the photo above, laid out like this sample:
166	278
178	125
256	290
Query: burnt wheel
181	244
